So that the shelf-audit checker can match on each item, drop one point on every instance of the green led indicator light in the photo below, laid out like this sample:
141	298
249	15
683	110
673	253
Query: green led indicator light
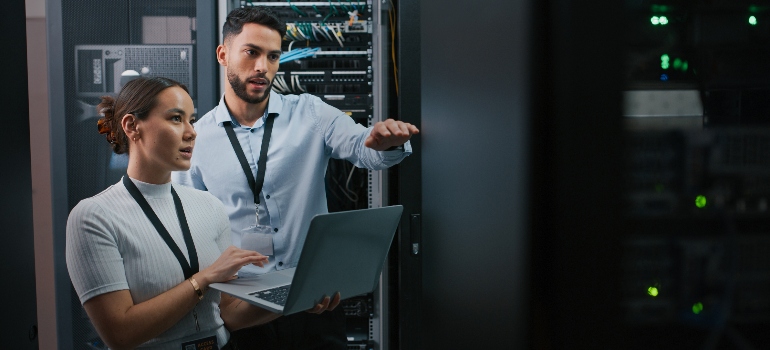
700	201
652	291
664	61
659	20
697	308
753	20
677	63
684	66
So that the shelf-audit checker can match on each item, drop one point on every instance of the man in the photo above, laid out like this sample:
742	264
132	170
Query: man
285	144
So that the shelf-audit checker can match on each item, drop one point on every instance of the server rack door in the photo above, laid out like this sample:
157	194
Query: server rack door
510	177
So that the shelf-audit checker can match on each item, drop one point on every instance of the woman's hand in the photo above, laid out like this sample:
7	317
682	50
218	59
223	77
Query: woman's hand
225	267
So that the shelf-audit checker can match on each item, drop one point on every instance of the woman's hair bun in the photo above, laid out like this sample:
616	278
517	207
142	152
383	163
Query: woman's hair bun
107	124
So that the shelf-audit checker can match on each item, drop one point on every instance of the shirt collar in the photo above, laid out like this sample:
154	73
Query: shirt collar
222	114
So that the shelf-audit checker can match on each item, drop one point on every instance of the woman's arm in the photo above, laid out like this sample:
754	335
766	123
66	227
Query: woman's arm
238	314
123	325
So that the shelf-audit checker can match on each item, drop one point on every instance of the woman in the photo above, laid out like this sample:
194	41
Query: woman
142	253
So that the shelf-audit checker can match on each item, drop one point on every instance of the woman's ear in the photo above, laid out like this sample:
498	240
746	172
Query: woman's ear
130	127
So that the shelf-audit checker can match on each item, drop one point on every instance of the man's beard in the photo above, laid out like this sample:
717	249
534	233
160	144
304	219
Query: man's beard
239	87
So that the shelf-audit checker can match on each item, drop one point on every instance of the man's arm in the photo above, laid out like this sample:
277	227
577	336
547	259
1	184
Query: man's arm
368	148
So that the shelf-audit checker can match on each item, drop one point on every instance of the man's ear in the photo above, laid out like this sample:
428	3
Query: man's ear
222	55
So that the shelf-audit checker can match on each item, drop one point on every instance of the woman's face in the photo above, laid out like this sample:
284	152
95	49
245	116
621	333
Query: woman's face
166	137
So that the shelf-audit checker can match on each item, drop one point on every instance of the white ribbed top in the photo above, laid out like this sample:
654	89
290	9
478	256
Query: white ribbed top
111	245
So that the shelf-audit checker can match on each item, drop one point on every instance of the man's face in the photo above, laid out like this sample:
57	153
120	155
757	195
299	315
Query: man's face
251	61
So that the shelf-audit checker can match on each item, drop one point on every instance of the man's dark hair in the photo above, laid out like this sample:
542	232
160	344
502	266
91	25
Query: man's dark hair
251	14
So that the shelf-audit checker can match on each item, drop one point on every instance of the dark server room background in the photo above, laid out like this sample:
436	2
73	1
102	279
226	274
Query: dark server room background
588	176
696	257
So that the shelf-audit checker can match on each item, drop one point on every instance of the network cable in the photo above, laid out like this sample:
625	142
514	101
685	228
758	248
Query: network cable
298	54
298	11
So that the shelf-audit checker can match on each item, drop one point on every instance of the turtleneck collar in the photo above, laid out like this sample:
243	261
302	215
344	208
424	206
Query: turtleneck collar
152	190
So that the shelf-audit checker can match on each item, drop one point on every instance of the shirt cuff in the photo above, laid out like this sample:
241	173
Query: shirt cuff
405	149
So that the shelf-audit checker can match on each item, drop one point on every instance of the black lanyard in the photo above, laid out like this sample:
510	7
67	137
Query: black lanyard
188	269
256	186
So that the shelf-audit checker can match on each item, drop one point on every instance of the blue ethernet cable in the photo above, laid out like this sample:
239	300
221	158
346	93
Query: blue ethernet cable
298	54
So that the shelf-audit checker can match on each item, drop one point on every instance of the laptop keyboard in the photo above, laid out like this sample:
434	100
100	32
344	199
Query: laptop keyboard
274	295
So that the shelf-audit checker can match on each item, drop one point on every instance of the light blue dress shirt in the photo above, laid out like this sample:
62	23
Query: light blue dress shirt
307	132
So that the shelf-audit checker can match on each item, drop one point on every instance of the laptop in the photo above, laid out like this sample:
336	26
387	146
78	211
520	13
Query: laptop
344	252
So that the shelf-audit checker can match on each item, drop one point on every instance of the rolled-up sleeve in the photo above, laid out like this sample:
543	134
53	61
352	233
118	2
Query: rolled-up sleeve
344	139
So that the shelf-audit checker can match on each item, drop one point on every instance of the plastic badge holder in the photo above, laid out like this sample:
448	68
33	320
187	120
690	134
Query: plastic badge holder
258	238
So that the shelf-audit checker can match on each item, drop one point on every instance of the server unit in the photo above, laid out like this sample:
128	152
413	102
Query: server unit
99	68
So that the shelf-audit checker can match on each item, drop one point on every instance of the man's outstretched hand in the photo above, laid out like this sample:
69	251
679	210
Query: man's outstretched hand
390	133
327	304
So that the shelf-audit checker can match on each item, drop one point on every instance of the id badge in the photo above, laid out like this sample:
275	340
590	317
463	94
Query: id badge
258	238
209	343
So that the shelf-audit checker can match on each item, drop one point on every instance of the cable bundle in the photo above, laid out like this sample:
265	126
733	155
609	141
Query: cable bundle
282	87
298	54
315	32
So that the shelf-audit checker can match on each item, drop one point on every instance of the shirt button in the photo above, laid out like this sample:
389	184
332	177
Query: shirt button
275	229
267	197
280	263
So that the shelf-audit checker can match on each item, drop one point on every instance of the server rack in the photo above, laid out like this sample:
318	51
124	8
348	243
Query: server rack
346	70
697	165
